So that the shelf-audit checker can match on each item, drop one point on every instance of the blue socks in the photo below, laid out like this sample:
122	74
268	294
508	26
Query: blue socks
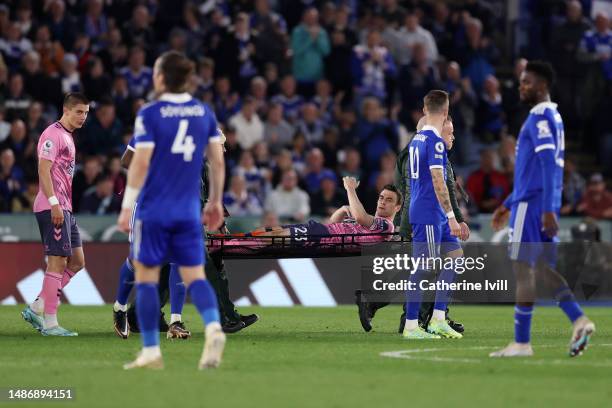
522	323
147	311
177	290
204	299
414	296
568	303
447	276
126	282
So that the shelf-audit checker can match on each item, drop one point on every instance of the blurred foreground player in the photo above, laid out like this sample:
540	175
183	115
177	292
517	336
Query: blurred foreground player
533	207
53	209
172	135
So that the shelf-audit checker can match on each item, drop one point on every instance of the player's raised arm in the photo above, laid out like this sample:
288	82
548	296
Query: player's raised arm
357	210
213	211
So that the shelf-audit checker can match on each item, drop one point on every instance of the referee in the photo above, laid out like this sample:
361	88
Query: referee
367	309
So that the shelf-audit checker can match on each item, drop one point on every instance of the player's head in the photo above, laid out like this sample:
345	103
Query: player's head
75	110
435	103
171	72
448	132
389	202
536	81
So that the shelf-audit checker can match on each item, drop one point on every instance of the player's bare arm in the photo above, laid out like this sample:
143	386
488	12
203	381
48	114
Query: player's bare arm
137	172
126	158
46	184
340	214
437	177
356	208
213	211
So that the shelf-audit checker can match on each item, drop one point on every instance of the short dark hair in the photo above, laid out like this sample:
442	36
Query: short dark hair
176	69
542	70
74	98
435	100
391	187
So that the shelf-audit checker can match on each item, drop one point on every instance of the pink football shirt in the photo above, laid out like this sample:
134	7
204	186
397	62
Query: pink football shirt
56	145
350	227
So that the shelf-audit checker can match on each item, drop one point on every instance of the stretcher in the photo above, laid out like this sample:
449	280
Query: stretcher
239	246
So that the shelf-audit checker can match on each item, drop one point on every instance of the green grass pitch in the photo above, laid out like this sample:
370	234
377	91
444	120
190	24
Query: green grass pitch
313	357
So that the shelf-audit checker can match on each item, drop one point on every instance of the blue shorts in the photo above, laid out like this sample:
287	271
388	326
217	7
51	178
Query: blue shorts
157	242
430	241
528	243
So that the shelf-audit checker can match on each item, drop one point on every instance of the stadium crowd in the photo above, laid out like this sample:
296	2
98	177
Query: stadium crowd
306	91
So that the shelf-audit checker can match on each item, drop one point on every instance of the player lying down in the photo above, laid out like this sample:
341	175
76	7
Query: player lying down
350	220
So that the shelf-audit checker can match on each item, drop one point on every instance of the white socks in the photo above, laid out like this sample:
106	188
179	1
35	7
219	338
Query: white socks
50	321
38	306
175	318
119	307
151	352
439	314
212	327
411	324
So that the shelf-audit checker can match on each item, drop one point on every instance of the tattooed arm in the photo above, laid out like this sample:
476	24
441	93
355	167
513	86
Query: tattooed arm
437	177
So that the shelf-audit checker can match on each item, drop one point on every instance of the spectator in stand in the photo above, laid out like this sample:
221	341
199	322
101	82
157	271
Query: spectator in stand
507	155
104	131
71	78
315	170
515	111
22	146
5	127
138	31
96	83
376	135
330	147
347	121
324	101
477	54
35	123
288	200
298	152
574	187
14	45
490	113
329	198
442	28
387	167
310	45
488	186
61	24
597	201
596	45
95	24
292	102
282	162
409	35
310	124
278	133
256	178
239	201
12	183
138	76
233	151
351	167
372	66
116	174
226	102
261	155
35	83
338	61
259	92
51	52
564	45
24	202
269	220
17	101
84	179
205	80
100	199
248	125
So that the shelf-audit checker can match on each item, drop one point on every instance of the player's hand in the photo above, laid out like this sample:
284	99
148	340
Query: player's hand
350	183
57	215
500	218
465	231
213	215
454	227
550	226
124	220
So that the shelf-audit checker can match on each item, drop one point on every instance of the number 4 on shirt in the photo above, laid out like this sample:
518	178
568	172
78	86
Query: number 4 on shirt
183	143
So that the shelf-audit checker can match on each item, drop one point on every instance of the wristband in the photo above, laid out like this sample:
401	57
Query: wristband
450	215
129	197
53	201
